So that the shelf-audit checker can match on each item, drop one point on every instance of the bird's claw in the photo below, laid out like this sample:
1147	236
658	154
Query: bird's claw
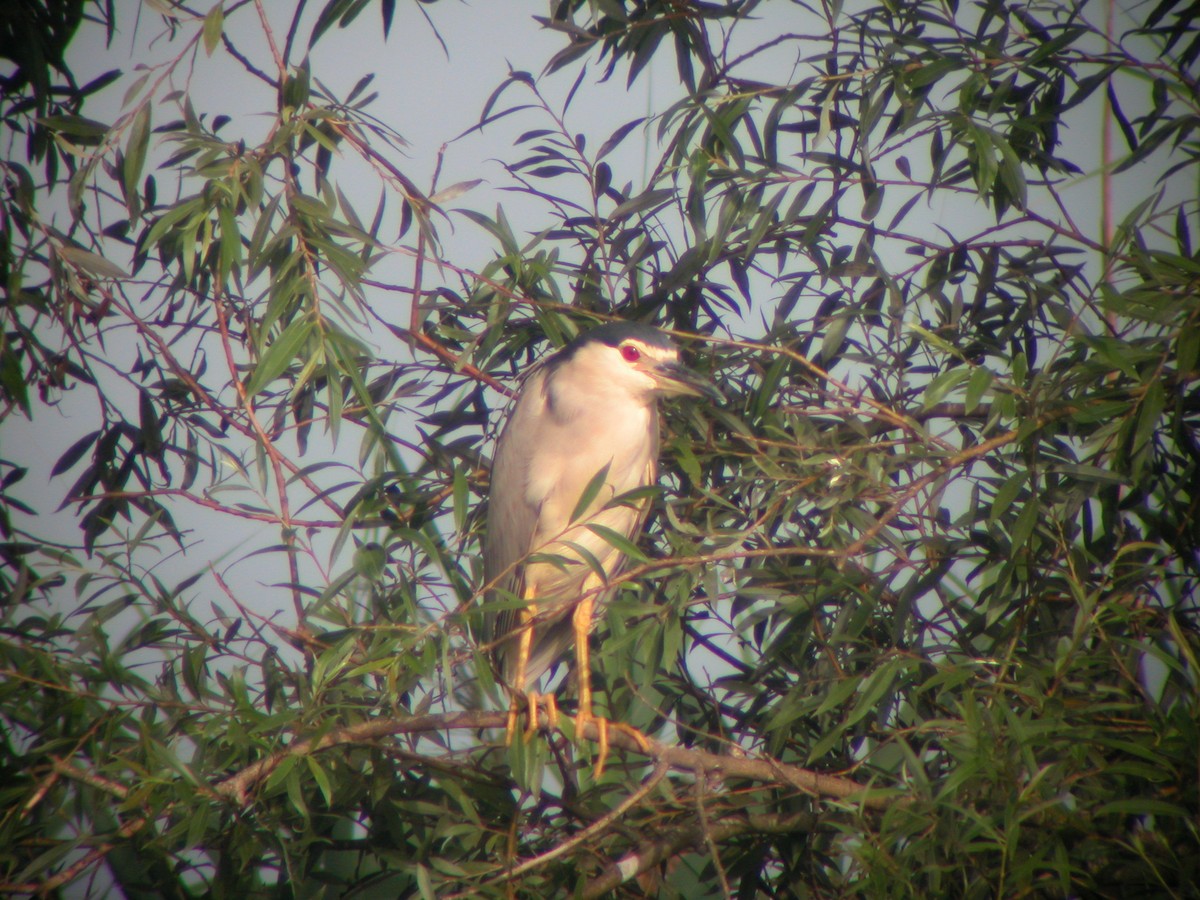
532	699
602	727
582	718
551	707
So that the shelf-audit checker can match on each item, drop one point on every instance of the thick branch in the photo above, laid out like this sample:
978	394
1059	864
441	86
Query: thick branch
239	787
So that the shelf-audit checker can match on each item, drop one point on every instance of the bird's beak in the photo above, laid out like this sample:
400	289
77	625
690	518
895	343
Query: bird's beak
676	379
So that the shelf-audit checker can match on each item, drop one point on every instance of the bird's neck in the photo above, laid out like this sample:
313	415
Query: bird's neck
571	396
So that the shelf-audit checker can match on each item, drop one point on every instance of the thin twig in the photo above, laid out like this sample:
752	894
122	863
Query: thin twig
276	460
654	852
650	782
710	841
227	509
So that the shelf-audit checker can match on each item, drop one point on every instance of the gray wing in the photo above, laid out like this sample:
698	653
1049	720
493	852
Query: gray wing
511	516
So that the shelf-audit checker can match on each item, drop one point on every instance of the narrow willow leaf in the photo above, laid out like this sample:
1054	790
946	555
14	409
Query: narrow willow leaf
230	242
1022	529
214	24
977	386
74	453
589	495
461	499
90	262
641	203
617	136
85	131
618	542
1152	406
872	690
943	384
135	159
279	355
321	777
454	191
1007	493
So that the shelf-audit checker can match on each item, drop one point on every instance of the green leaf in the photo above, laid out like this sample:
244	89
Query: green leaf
425	883
1187	349
838	694
135	159
87	131
279	355
1142	806
90	262
230	243
454	191
590	492
214	24
943	384
875	687
1026	522
12	380
321	777
149	429
618	542
461	499
370	561
1007	493
977	386
641	203
330	664
873	199
1150	412
930	72
617	137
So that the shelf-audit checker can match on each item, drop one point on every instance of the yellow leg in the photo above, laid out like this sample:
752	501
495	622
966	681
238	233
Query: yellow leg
581	620
524	645
532	698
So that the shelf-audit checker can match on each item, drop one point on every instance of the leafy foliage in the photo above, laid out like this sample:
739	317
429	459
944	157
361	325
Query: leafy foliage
915	613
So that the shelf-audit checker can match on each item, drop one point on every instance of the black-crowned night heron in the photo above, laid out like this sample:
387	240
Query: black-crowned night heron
586	413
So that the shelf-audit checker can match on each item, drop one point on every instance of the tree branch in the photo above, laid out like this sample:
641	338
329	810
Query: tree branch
601	824
240	786
651	853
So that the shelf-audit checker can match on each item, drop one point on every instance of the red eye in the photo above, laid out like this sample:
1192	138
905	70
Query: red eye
630	353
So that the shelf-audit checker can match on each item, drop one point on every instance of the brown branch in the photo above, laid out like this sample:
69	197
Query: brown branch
649	784
270	35
207	504
295	637
77	868
107	785
654	852
710	837
953	461
62	768
163	350
413	194
446	355
240	786
275	458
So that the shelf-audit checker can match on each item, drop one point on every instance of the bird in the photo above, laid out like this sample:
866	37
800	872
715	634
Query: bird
583	430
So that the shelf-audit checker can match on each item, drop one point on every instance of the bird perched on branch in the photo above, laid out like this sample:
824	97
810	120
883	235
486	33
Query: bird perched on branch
583	431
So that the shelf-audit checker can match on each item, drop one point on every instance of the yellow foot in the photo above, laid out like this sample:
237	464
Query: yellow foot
602	727
551	713
531	701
